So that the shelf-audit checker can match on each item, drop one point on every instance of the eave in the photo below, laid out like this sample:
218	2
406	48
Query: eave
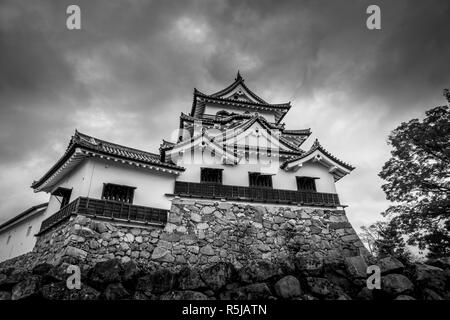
298	132
279	109
318	154
202	141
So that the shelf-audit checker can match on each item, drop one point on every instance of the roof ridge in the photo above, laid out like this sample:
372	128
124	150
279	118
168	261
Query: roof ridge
285	105
297	131
118	145
317	146
239	80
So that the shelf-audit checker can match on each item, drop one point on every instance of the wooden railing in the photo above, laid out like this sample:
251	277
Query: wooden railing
106	209
218	191
59	216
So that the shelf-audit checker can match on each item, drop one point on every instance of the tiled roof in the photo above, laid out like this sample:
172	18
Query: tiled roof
166	144
105	148
238	81
117	150
198	107
285	106
300	132
317	146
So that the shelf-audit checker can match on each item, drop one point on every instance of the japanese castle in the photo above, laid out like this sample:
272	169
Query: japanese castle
232	146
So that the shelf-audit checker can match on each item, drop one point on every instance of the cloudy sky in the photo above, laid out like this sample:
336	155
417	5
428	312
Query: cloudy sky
131	69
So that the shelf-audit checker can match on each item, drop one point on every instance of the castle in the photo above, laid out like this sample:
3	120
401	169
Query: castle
234	186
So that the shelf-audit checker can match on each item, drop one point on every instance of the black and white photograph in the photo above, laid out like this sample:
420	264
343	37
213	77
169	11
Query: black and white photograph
233	156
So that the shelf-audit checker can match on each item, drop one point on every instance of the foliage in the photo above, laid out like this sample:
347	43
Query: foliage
418	181
383	239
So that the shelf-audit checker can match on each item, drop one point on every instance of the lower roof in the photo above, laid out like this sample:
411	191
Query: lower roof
82	146
37	209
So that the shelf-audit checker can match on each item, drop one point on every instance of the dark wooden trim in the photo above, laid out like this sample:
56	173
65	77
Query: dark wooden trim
269	195
106	209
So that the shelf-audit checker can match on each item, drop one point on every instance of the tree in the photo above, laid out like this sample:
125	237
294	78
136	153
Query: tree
418	180
384	239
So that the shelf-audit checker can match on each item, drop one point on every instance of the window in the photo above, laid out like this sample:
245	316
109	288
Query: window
29	230
118	193
260	180
8	240
208	175
63	195
221	114
247	152
306	184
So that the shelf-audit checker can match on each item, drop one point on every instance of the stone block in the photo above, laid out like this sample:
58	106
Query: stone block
164	244
356	266
396	284
350	237
159	253
207	210
207	250
225	205
75	253
390	265
202	226
288	287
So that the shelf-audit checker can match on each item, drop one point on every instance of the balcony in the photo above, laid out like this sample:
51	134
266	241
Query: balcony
269	195
106	209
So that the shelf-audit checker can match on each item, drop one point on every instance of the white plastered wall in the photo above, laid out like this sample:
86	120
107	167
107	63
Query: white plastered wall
19	243
151	186
238	174
87	180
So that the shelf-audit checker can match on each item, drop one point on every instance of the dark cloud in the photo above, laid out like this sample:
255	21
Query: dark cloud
131	70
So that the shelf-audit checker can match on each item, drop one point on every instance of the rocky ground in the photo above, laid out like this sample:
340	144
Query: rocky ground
300	278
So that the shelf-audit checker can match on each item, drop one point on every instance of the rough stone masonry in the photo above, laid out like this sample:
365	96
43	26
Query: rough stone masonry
201	233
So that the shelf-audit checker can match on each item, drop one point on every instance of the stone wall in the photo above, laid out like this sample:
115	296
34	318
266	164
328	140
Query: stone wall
217	250
294	279
200	233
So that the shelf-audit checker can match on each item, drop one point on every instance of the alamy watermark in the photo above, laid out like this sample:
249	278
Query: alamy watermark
373	22
73	21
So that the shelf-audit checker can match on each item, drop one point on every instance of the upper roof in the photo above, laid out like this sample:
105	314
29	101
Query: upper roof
244	98
238	81
82	146
37	209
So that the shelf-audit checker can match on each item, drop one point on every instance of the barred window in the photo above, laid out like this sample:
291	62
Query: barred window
118	193
257	179
209	175
306	184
